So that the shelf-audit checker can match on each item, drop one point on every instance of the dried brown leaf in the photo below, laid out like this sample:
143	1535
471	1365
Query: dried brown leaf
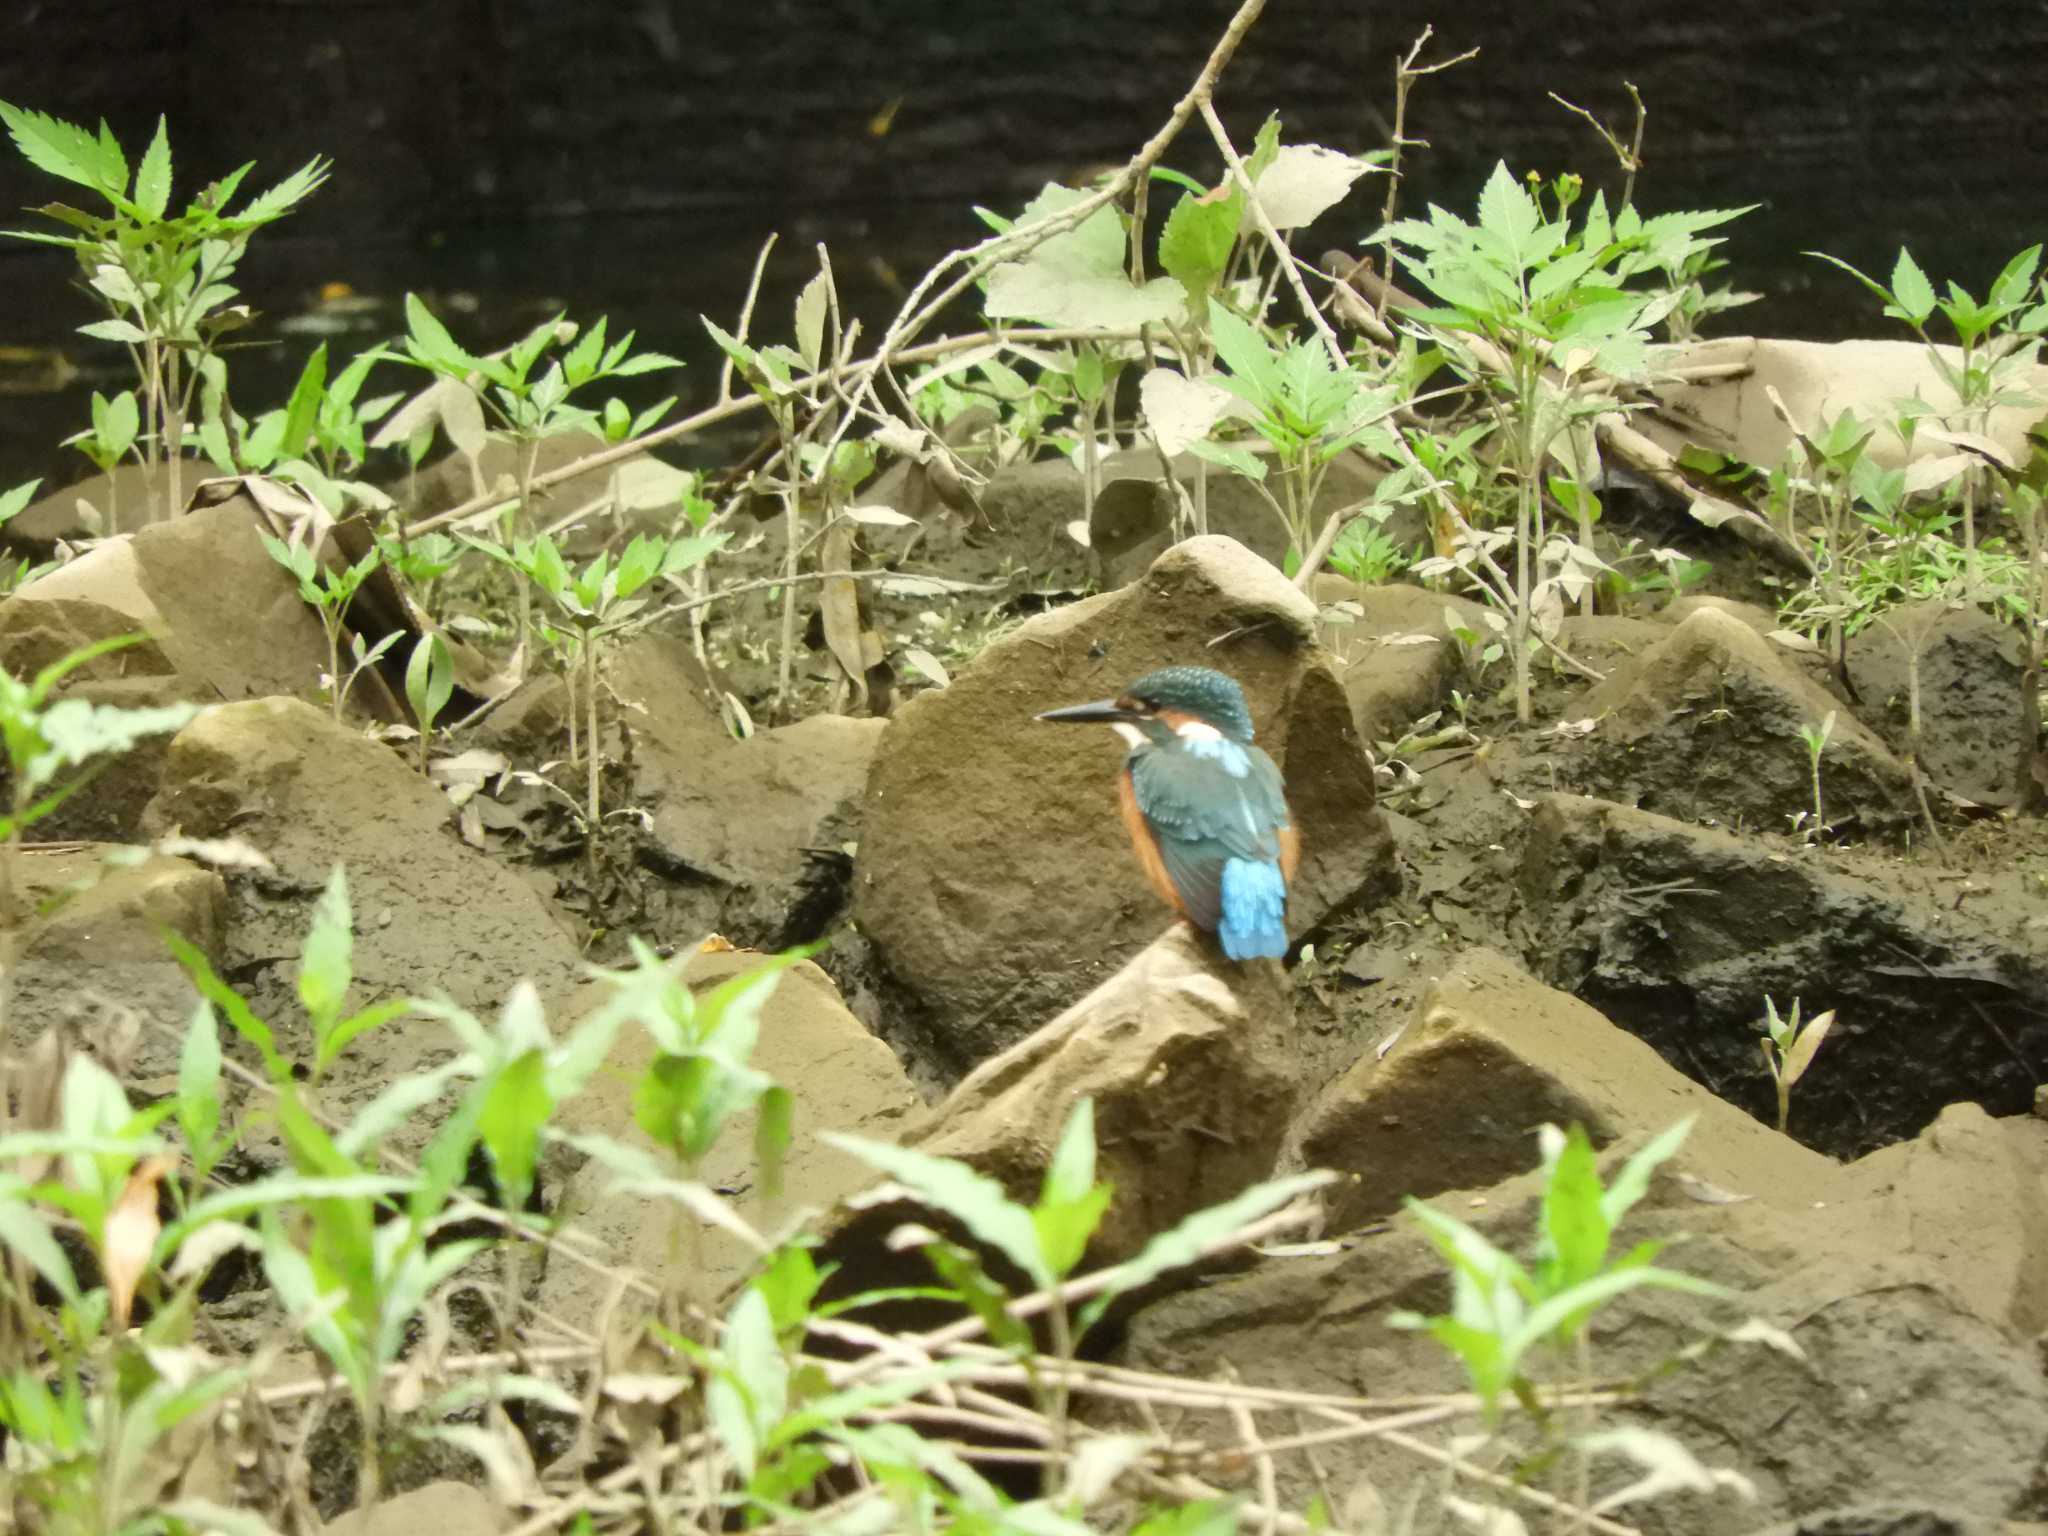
131	1232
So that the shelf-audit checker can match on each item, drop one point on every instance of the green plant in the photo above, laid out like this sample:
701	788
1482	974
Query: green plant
1366	554
429	684
421	562
1305	408
109	440
163	279
1506	1315
328	592
1816	739
55	749
88	1405
315	441
1996	342
12	504
1046	1241
529	403
595	603
1789	1048
1535	310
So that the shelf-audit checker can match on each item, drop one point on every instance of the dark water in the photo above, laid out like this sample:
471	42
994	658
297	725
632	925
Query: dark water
509	158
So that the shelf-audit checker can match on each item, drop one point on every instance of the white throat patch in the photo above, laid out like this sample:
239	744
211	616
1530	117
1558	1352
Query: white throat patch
1133	737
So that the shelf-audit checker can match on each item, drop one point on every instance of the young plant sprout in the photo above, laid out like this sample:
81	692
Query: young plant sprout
1789	1047
429	684
328	593
1816	739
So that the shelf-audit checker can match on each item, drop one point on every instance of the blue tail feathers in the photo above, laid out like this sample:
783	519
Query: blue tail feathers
1254	910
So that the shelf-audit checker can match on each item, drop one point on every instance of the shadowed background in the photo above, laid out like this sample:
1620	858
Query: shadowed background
509	157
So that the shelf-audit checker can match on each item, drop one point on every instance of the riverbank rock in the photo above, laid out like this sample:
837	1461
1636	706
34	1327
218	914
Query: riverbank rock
1394	650
1817	381
763	827
1970	667
1493	1052
1915	1384
221	621
1189	1059
432	916
993	877
1679	933
1032	507
100	950
1704	725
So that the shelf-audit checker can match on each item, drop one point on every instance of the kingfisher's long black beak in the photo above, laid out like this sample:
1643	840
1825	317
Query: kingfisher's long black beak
1101	712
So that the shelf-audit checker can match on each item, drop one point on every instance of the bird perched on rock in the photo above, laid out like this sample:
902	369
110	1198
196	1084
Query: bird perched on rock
1203	806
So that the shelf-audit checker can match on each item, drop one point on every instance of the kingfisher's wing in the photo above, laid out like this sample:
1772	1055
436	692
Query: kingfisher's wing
1203	812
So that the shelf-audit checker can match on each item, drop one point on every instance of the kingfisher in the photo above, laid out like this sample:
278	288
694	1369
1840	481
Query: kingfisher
1203	806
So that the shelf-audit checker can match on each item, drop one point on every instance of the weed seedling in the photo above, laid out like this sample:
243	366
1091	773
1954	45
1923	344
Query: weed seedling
328	593
162	278
1816	739
429	684
1789	1048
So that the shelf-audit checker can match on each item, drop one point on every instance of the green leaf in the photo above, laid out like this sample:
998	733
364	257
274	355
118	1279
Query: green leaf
377	1015
199	1097
1633	1182
962	1270
1246	354
1195	244
2016	280
61	149
324	962
427	339
302	413
126	331
13	502
811	307
1912	293
580	364
153	175
429	680
774	1130
974	1200
515	1109
1575	1229
1230	456
1071	1173
1065	1227
1188	1239
1509	213
753	1353
22	1231
287	194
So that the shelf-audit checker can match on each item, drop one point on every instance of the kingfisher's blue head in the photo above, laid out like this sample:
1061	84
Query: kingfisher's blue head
1170	705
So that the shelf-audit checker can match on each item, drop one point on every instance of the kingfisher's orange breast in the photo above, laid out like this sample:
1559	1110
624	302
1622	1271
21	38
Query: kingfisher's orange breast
1144	844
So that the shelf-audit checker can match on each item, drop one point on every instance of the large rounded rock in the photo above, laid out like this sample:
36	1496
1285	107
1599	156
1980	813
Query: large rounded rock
219	619
1191	1062
1705	726
432	916
994	877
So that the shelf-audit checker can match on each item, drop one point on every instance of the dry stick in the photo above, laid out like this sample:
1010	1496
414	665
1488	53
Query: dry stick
1630	158
920	308
605	458
1406	73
